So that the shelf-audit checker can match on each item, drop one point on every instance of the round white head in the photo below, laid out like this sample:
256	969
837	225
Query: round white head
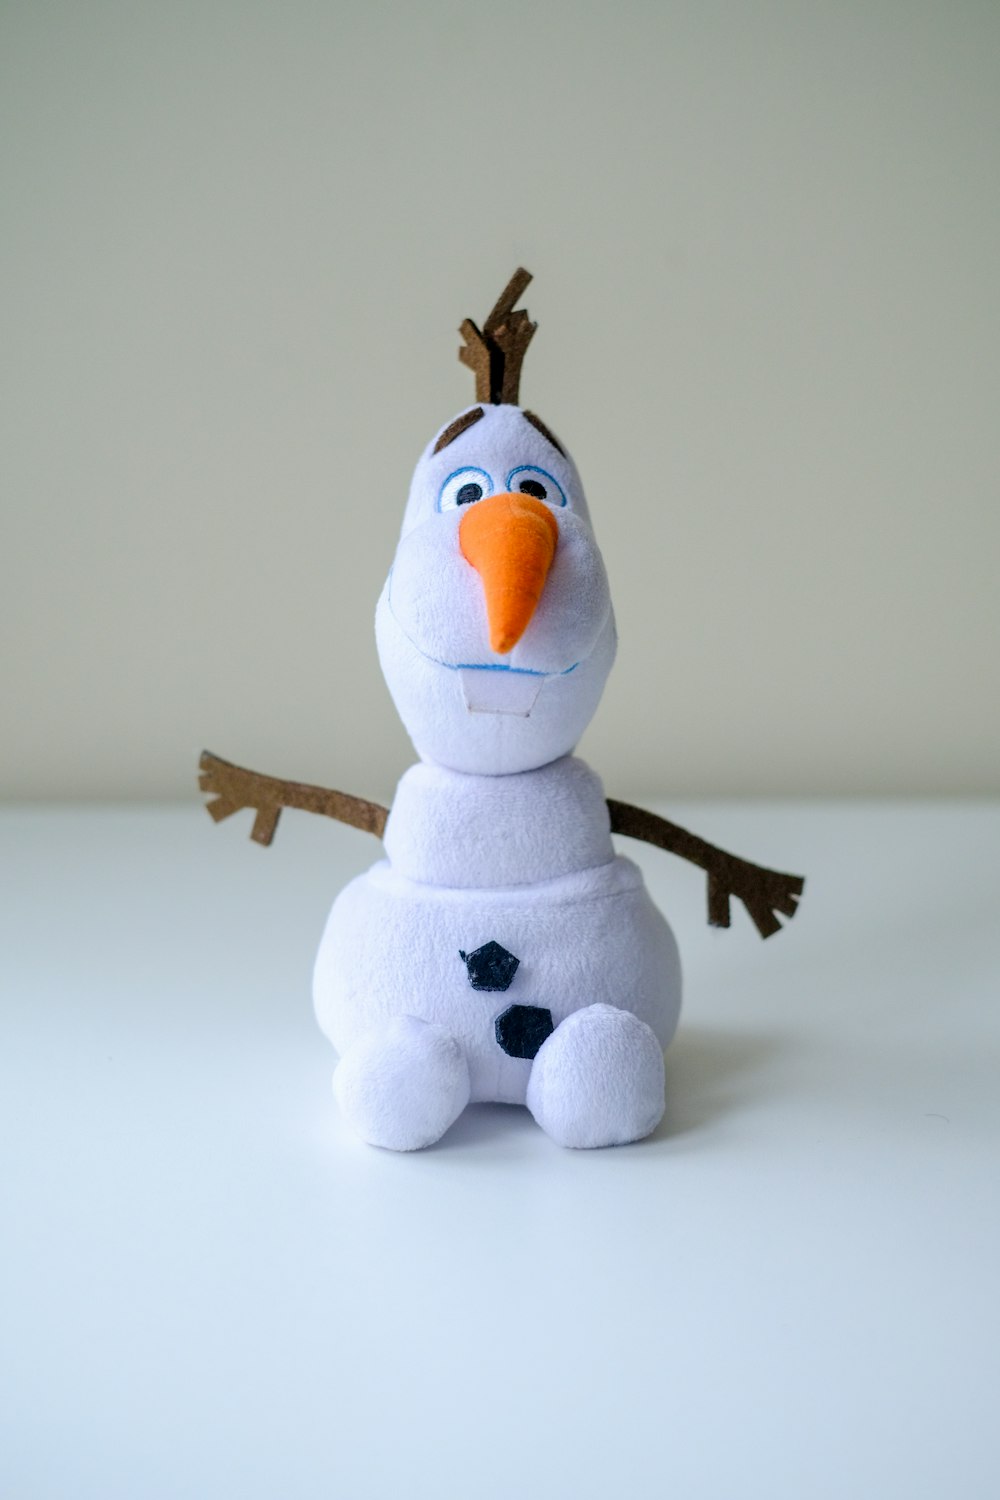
495	629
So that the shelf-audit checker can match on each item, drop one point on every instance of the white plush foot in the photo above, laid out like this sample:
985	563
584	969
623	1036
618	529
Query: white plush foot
402	1087
598	1079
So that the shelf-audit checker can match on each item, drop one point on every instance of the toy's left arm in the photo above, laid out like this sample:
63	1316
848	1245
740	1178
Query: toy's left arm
763	892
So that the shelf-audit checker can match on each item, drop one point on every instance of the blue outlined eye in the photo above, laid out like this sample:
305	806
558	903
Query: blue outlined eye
464	487
527	480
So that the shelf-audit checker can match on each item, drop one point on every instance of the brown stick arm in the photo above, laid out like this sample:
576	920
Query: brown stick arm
234	787
763	892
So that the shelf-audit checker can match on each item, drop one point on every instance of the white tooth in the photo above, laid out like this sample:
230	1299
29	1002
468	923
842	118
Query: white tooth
488	691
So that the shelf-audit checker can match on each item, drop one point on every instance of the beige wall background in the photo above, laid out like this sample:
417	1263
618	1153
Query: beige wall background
237	242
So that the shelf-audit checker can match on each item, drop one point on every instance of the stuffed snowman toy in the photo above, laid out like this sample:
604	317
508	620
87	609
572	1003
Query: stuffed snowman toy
501	950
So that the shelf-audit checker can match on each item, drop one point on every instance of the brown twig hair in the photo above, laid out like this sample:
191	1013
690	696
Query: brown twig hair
496	354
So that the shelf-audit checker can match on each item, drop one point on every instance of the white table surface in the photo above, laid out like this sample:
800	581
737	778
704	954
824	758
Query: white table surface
209	1288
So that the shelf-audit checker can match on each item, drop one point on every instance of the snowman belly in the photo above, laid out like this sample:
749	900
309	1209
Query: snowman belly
394	946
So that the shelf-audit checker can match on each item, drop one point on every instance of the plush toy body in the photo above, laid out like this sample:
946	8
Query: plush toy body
491	930
501	950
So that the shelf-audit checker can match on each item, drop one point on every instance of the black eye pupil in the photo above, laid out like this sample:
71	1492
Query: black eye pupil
532	487
468	493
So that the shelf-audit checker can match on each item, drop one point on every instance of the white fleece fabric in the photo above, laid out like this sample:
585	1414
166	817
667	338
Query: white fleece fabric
598	1079
447	622
499	841
499	442
430	700
393	943
447	828
402	1086
431	624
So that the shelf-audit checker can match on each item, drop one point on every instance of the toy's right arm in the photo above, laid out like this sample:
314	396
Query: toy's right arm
234	788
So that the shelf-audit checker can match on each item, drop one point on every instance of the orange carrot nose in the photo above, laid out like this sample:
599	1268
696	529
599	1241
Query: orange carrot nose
510	540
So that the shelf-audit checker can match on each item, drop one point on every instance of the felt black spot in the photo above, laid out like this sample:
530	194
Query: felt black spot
469	493
490	967
522	1029
532	487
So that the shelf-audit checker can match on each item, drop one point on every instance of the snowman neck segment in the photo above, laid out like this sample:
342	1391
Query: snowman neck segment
462	831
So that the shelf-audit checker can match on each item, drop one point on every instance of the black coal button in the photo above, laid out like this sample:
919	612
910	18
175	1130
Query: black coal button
490	967
522	1029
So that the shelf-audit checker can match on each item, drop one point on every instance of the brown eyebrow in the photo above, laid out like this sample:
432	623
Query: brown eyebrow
456	428
539	426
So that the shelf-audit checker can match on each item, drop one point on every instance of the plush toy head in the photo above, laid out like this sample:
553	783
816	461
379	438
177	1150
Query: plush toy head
495	629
